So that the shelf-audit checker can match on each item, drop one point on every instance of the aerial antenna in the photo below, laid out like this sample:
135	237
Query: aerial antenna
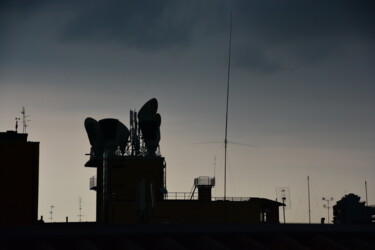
17	119
51	212
308	197
283	194
80	215
214	166
24	120
366	193
327	200
226	113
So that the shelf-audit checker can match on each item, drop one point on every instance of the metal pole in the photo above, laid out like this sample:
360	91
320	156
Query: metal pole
366	193
284	208
226	114
308	194
328	210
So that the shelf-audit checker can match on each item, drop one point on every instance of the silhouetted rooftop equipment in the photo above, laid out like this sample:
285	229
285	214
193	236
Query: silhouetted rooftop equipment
204	185
283	195
114	137
327	200
149	123
24	120
204	181
106	134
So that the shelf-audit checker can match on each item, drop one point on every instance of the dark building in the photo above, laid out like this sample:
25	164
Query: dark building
19	171
131	180
349	210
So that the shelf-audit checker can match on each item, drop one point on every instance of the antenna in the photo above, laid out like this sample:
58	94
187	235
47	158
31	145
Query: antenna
80	215
328	200
51	212
283	194
226	113
24	120
214	166
308	197
17	119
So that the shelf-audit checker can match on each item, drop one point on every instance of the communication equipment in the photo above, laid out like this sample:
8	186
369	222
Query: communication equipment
149	123
106	134
283	195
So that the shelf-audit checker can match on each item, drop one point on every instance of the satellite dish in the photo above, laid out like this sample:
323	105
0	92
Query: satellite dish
106	134
94	132
148	109
149	123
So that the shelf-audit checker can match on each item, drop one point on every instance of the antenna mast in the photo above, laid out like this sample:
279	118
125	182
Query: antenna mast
308	196
24	121
80	215
366	193
226	114
51	212
328	200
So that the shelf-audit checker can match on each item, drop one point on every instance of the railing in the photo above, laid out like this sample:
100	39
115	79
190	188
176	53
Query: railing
180	196
231	198
187	196
93	183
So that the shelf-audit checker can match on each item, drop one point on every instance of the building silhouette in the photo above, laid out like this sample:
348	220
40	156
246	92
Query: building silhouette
131	187
19	171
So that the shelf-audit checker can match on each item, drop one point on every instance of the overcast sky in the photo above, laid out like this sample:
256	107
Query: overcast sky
302	91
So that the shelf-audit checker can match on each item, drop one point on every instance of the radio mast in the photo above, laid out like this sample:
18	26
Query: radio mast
226	114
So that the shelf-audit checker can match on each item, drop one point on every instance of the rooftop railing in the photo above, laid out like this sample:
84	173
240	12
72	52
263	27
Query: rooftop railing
188	196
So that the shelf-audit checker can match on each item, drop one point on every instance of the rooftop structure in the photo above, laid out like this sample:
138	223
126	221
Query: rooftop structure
19	170
131	187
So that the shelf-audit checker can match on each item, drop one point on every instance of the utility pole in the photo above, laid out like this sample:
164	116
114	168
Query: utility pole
366	193
328	200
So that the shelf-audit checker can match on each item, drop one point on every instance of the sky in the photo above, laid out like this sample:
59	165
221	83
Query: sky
301	91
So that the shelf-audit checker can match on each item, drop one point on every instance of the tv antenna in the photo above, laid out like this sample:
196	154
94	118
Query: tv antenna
327	200
80	215
283	194
51	212
24	120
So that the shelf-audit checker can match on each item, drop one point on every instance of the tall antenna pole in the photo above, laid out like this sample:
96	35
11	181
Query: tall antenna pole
226	114
308	196
366	193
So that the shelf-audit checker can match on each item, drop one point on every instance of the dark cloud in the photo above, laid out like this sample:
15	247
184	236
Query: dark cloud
268	36
20	5
142	24
256	60
293	19
302	32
